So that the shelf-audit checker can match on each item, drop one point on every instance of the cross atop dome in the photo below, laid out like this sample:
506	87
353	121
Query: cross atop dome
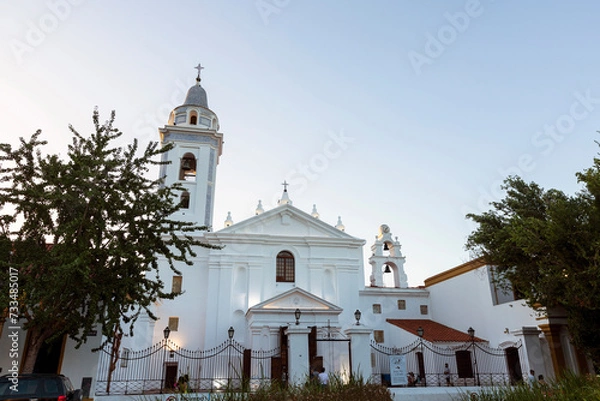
199	68
285	185
196	95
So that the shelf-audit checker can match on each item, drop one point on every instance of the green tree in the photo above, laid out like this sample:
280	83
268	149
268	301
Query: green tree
85	235
546	244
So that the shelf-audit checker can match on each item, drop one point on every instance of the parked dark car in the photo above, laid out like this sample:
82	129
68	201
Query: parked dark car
42	387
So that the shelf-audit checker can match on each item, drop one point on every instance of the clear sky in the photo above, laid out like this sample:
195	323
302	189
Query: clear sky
408	113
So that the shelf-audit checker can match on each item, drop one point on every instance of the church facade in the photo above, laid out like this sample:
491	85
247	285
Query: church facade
285	259
283	278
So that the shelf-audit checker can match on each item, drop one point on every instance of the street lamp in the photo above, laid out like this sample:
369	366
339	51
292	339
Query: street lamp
230	334
166	333
357	316
471	333
420	333
297	314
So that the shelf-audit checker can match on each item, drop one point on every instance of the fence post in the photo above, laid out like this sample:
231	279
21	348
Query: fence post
534	354
298	369
360	351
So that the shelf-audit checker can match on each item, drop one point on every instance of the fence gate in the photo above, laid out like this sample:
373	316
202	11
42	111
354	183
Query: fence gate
328	347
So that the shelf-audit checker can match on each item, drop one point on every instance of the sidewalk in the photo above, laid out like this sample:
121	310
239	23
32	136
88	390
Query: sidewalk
430	393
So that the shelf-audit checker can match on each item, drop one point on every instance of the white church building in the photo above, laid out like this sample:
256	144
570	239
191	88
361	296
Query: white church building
286	294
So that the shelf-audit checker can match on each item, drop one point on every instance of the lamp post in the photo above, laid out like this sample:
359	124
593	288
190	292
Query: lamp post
420	333
230	334
357	316
166	333
471	333
297	314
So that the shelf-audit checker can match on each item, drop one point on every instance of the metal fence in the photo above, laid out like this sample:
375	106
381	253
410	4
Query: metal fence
468	364
165	367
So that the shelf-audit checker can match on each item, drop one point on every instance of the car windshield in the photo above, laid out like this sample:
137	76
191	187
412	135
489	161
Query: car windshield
30	387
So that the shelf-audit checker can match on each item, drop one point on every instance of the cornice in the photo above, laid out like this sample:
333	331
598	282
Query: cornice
457	271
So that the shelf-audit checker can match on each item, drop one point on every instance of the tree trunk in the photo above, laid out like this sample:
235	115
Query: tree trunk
114	358
36	338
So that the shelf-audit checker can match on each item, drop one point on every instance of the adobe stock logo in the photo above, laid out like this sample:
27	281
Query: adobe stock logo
146	127
38	29
266	8
333	148
446	35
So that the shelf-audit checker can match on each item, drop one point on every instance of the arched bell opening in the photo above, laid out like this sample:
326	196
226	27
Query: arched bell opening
390	275
387	247
184	200
187	169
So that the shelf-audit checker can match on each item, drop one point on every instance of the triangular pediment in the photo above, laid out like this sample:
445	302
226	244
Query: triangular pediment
285	221
293	299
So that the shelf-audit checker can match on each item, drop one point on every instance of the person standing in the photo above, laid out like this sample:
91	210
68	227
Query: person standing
314	376
323	378
541	380
447	374
531	378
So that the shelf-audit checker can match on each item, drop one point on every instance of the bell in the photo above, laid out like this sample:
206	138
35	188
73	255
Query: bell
385	247
387	269
186	164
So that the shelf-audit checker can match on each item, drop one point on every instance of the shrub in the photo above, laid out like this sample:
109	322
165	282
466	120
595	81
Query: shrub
356	389
570	387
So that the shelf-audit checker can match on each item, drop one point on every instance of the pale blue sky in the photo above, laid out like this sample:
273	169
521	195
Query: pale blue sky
438	101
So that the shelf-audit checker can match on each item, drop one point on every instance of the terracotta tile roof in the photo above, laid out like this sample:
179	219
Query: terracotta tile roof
432	331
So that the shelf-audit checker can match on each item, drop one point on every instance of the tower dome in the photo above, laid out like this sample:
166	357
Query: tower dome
194	111
196	96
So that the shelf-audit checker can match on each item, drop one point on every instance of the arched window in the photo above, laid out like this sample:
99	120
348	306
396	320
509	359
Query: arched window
185	200
193	118
285	267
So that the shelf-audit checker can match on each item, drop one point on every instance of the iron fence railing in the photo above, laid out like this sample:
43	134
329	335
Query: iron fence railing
469	364
166	367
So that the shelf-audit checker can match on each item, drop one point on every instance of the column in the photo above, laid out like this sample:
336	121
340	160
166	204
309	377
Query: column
552	334
360	351
298	364
376	273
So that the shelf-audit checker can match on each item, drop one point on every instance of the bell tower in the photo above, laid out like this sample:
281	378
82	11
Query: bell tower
386	259
193	129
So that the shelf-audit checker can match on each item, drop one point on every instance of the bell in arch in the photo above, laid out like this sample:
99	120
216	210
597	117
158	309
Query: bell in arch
187	163
387	269
386	247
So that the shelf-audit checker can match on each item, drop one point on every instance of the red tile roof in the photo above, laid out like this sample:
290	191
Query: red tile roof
433	331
